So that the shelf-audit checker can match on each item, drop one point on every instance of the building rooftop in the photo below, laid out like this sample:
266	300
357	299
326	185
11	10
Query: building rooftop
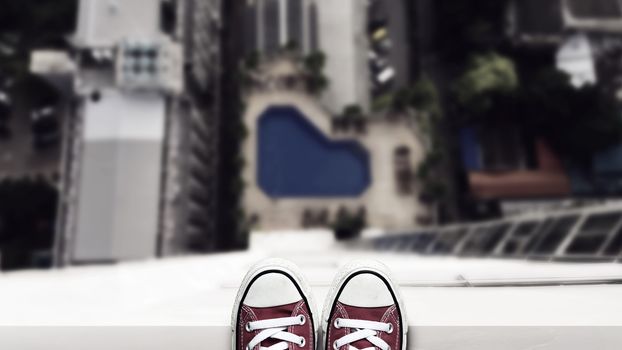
130	303
103	23
119	180
575	57
342	38
595	9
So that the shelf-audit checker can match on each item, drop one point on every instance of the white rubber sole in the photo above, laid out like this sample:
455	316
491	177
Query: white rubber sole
343	274
280	265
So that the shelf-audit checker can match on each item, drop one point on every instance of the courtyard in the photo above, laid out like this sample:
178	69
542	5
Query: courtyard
286	207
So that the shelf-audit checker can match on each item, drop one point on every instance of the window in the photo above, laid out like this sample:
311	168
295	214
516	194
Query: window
533	240
593	233
558	230
447	240
422	241
494	236
485	239
614	247
520	236
474	240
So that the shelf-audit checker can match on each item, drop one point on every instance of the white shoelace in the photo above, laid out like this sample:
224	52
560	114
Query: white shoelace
364	330
275	329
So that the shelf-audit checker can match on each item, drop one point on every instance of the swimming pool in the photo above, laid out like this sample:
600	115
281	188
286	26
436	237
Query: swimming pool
298	160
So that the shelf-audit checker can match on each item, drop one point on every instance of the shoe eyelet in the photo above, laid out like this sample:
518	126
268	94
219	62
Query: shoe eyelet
390	329
335	345
248	327
302	342
336	323
302	319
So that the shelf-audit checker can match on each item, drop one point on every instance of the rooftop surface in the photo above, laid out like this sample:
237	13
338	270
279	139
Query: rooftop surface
596	9
198	292
119	177
342	37
103	23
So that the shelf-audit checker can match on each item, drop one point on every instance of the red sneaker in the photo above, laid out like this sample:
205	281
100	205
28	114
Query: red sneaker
273	309
363	310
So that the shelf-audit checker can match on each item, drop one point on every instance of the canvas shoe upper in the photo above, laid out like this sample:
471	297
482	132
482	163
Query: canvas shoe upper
363	310
273	310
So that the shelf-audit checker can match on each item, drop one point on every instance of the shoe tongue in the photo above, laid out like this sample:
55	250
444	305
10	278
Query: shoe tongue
367	314
265	313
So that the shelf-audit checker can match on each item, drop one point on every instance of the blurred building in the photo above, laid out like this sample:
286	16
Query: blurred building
508	172
139	159
195	206
335	28
272	25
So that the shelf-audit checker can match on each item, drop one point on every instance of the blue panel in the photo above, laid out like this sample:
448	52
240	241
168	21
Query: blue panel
469	148
297	160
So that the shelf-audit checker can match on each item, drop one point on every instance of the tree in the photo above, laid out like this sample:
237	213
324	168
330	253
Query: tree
401	100
486	76
424	95
470	26
316	83
352	111
349	225
27	216
315	62
35	24
314	66
576	122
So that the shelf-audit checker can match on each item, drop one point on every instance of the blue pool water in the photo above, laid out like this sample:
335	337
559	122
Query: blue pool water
298	160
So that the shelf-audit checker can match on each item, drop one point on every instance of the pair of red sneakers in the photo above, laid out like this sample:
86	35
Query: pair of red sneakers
274	310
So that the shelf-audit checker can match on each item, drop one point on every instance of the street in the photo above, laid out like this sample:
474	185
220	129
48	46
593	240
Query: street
395	13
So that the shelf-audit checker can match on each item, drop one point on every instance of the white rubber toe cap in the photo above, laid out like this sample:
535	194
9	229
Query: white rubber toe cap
272	289
366	290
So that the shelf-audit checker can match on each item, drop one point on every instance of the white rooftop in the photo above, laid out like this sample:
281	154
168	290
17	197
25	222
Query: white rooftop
198	292
342	37
51	62
119	181
103	23
575	57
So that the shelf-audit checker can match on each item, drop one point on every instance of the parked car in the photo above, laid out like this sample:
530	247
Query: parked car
379	34
385	76
45	127
377	63
380	40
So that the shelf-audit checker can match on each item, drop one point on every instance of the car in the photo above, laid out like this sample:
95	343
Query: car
45	126
385	76
376	62
384	45
380	40
379	34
